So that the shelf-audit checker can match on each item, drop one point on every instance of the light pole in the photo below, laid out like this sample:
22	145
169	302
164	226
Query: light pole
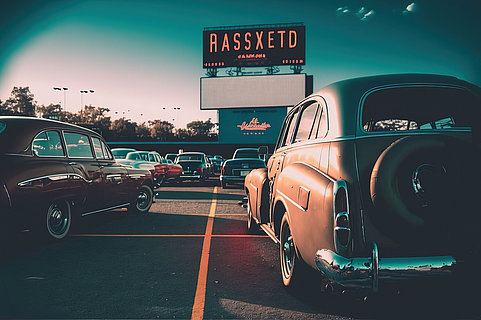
82	92
64	96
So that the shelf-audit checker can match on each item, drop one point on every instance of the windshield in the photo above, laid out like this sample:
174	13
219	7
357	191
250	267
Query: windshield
413	108
120	154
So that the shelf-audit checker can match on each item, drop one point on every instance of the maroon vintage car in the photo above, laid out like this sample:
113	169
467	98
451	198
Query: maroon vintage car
52	172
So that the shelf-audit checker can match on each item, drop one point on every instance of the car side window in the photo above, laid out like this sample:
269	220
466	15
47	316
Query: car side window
99	154
78	145
151	157
106	151
322	125
306	122
48	144
290	129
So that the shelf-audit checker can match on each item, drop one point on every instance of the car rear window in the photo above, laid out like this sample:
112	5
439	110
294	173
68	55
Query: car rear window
246	154
187	157
419	107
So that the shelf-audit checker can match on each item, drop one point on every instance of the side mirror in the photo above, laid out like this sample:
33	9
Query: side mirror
263	150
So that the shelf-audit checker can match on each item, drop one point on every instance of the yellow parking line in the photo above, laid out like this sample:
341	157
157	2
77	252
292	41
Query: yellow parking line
199	300
104	235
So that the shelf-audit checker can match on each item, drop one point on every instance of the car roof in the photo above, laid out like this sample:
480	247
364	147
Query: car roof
344	97
20	131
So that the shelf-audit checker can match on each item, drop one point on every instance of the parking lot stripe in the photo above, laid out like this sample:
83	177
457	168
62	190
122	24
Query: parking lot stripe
93	235
199	300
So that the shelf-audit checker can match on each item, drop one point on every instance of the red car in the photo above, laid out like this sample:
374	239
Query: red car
169	170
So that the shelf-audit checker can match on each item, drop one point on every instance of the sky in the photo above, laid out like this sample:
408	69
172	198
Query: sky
143	59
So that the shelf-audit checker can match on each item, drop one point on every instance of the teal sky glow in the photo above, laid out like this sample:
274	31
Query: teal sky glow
143	56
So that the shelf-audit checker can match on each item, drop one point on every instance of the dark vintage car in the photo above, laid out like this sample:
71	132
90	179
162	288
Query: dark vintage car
374	182
246	153
53	172
234	171
195	166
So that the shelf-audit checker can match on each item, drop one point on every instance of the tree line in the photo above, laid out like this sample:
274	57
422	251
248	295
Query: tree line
21	103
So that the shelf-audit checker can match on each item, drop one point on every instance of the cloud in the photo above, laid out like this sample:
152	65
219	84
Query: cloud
343	10
362	13
412	8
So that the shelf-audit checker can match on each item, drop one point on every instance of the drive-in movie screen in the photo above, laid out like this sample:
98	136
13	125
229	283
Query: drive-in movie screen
240	159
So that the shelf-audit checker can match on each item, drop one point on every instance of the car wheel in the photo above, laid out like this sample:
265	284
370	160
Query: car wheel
159	181
143	201
58	219
252	226
293	269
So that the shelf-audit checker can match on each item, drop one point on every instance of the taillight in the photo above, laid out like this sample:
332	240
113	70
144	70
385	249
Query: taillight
342	228
199	170
226	170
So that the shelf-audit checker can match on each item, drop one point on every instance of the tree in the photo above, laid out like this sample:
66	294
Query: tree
202	129
4	110
123	128
143	131
21	102
51	109
161	130
95	118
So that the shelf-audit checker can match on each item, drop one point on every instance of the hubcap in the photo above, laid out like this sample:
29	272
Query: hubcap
57	219
288	250
142	200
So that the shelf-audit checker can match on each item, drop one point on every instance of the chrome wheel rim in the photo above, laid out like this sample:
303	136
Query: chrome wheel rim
288	251
142	200
58	219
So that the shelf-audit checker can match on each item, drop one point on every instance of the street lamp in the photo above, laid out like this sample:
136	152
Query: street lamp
64	95
82	92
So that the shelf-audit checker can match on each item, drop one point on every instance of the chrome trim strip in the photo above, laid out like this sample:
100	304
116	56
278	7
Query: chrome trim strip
8	195
106	209
291	201
54	177
367	272
136	176
270	233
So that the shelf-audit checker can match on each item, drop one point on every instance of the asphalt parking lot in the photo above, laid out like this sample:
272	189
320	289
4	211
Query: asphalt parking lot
190	257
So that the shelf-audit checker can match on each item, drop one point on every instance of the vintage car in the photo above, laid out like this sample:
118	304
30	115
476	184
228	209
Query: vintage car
234	171
121	153
147	160
195	165
170	170
246	153
53	172
374	181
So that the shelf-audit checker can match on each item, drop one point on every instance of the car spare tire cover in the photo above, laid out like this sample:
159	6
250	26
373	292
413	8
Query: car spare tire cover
414	179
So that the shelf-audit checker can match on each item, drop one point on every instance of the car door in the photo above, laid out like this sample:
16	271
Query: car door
114	175
84	166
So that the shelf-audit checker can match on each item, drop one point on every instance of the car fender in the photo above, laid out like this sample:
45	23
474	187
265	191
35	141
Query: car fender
306	193
253	186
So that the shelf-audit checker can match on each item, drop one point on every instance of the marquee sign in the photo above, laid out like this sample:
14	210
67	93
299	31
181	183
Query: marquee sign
266	45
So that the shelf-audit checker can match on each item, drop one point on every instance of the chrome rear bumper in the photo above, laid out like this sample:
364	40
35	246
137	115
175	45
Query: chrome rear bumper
367	272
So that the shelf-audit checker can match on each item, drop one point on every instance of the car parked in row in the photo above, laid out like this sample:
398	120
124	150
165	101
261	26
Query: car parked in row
234	171
148	160
195	165
121	153
171	171
53	172
374	181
